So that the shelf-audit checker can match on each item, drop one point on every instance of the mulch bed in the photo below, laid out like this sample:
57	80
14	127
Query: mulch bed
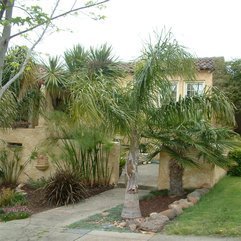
156	204
36	202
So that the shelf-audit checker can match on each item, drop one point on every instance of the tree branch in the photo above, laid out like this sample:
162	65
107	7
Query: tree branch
3	8
58	16
15	77
4	39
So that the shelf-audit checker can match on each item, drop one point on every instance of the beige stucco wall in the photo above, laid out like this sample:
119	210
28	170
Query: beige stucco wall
218	173
201	76
33	138
113	163
205	76
209	174
206	176
30	140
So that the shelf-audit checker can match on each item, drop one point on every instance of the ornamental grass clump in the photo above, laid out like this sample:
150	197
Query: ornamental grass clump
64	187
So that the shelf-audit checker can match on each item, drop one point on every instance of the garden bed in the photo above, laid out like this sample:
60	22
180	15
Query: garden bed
34	197
110	220
156	201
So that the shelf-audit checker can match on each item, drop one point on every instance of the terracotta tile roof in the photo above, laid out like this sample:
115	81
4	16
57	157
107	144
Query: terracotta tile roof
201	64
205	64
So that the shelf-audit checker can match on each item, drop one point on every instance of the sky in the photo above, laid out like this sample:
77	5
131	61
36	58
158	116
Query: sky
206	28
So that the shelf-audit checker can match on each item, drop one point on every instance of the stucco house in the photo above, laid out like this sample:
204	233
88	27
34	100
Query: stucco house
209	174
30	138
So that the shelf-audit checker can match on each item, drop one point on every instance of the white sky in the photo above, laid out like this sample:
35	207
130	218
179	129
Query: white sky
205	27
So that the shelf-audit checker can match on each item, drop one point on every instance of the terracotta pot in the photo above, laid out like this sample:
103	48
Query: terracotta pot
42	163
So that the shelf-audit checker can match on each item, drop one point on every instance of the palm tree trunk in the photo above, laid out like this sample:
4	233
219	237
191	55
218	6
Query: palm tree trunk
175	174
131	207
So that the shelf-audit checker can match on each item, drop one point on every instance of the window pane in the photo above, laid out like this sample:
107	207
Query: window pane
195	89
174	91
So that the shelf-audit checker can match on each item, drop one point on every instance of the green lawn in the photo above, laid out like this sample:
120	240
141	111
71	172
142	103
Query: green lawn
217	213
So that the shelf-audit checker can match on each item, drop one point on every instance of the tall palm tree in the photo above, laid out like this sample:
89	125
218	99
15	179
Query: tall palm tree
79	68
54	76
186	131
159	62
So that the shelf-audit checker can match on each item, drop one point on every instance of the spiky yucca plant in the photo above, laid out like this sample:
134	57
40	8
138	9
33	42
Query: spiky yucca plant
63	188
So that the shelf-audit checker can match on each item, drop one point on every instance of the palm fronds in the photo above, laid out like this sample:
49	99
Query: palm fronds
159	62
8	109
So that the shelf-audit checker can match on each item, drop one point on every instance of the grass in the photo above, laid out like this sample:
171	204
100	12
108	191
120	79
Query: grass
100	222
13	216
218	213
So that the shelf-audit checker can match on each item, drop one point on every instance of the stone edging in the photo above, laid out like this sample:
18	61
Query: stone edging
156	221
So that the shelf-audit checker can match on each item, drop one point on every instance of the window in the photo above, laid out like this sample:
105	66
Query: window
174	88
174	93
194	88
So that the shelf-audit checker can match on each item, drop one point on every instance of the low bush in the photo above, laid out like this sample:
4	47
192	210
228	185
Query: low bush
122	163
35	184
235	159
8	197
13	213
65	187
10	163
13	216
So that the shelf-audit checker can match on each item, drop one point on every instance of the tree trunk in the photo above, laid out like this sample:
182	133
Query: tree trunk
175	174
131	207
4	39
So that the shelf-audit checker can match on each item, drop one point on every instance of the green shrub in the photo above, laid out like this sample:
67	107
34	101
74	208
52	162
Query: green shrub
65	187
235	159
122	163
143	147
35	184
10	166
19	199
81	149
8	197
14	215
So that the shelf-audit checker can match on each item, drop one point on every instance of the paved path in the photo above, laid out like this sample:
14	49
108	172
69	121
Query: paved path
147	176
51	225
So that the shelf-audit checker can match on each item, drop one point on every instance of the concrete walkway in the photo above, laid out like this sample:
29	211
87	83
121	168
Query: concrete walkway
51	225
147	176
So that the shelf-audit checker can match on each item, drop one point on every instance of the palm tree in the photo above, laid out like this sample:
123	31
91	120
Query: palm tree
26	89
186	131
7	102
79	68
159	62
54	75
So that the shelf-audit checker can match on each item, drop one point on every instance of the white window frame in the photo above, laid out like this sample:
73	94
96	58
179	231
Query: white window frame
176	82
194	82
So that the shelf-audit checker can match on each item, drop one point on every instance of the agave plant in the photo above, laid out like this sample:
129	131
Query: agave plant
64	187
